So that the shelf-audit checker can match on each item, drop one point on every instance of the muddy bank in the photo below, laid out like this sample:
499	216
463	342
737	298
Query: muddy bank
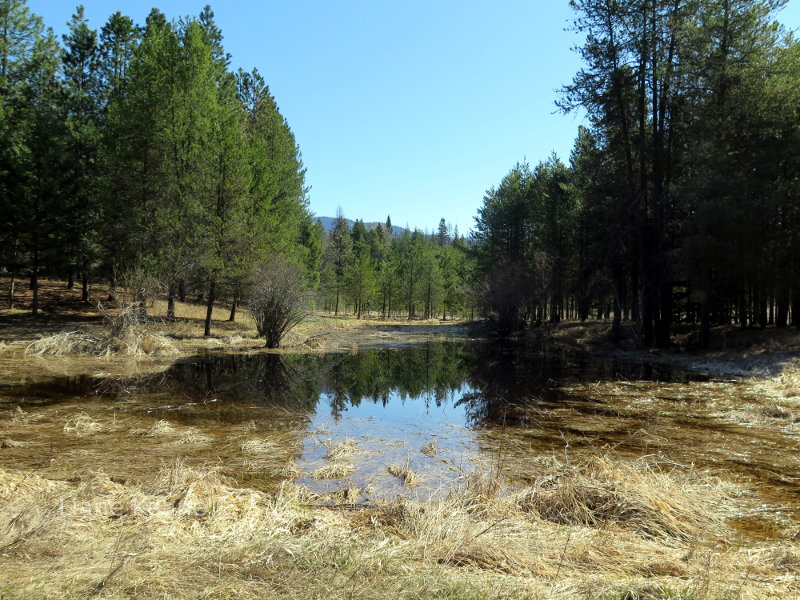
767	358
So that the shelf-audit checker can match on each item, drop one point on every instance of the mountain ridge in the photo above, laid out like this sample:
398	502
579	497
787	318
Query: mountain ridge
329	222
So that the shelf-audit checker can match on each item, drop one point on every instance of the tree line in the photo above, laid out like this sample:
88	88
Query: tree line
137	155
681	199
410	275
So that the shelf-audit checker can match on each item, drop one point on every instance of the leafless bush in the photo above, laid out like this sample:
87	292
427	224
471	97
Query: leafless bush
139	289
278	299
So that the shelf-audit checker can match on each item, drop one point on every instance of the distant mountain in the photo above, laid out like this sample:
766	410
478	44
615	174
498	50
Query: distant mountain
329	222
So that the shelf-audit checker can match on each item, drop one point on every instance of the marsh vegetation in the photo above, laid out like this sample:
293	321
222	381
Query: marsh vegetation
438	470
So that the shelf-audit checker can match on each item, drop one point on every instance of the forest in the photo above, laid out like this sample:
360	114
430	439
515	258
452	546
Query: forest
681	200
138	157
135	156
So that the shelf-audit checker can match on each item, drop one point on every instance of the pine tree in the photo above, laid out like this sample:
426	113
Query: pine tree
83	102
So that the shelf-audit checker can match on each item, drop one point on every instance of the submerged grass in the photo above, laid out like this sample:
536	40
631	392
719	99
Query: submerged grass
189	532
82	425
405	473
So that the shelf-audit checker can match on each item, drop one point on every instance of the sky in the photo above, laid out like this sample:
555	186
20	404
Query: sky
411	109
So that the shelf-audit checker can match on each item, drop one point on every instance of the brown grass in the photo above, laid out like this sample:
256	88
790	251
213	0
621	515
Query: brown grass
188	533
634	496
405	473
257	446
334	471
430	449
82	425
137	341
340	450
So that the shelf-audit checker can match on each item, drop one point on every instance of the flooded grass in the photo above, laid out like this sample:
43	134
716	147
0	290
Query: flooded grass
334	471
199	483
405	473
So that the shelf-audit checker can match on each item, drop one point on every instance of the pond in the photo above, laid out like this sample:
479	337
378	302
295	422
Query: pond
413	420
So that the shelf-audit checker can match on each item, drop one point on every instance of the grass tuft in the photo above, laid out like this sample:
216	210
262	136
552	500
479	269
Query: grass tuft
603	492
136	341
341	450
257	446
406	473
334	471
82	425
430	449
9	443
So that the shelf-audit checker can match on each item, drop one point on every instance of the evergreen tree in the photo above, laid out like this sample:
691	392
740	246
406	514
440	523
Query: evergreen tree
83	103
339	251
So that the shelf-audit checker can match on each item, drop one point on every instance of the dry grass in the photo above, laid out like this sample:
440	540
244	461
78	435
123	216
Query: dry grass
340	450
430	449
334	471
82	425
634	496
159	428
188	533
137	341
9	443
177	435
257	446
405	473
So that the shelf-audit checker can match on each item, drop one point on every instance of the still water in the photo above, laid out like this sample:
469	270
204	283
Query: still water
439	409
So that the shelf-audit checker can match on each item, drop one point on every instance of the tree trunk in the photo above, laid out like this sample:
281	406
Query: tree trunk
84	287
616	324
35	288
665	318
112	285
209	309
235	304
171	302
11	291
771	317
762	312
782	317
71	280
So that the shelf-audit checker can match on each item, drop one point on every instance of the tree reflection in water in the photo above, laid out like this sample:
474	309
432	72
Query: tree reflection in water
493	384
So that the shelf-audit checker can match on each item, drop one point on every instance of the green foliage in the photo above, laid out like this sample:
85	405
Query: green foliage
690	155
413	275
140	151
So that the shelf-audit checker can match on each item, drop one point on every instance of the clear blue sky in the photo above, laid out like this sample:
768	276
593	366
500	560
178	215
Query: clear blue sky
411	108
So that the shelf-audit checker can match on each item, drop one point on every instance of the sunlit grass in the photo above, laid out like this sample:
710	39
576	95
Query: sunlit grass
186	532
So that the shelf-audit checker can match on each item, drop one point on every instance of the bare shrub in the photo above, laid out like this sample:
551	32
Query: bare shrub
126	334
138	291
278	299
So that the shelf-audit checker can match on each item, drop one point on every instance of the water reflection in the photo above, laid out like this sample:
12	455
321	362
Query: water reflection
437	408
488	384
